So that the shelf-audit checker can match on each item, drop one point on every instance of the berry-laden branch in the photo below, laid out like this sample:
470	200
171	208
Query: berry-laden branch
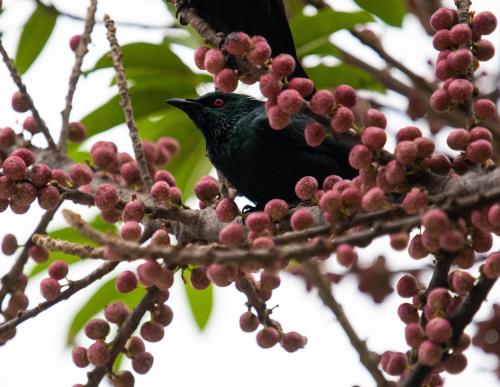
313	274
459	320
73	287
10	279
126	330
81	51
116	57
26	98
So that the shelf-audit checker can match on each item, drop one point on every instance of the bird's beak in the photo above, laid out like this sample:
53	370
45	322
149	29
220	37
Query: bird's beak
183	104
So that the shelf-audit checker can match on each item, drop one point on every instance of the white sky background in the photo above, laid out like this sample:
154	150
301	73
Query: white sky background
223	355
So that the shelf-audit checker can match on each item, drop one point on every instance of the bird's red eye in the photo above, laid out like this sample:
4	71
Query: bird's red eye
218	102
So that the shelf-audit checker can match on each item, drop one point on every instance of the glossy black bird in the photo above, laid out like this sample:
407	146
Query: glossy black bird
254	17
260	162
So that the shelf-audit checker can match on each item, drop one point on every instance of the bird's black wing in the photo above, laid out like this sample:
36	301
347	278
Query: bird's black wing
293	137
254	17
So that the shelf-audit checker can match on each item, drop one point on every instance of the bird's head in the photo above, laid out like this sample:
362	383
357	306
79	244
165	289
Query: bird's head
216	113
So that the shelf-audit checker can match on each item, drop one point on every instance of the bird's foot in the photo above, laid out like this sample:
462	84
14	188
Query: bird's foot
181	5
248	209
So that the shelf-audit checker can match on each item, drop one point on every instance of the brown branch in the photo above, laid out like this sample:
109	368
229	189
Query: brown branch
22	88
126	103
74	287
323	285
247	287
126	330
82	251
81	51
9	280
459	320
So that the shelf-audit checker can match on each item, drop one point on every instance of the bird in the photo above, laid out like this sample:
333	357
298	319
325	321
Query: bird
266	18
260	162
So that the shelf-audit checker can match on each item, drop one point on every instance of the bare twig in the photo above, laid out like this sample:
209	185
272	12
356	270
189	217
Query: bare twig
116	57
323	285
22	88
81	51
80	250
73	288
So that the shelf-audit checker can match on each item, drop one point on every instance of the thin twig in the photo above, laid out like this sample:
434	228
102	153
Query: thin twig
81	51
323	285
126	103
26	97
73	288
80	250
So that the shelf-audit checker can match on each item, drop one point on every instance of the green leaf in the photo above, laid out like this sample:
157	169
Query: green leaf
390	11
328	77
118	363
201	304
105	295
36	33
192	162
312	32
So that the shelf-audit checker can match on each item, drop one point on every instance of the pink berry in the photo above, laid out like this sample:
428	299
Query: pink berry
439	164
248	322
346	255
345	95
480	133
442	40
462	282
199	279
152	331
19	103
268	337
414	335
133	210
290	101
74	42
440	100
407	286
460	89
373	200
406	152
61	177
9	244
444	70
443	18
269	85
439	299
106	197
160	191
322	102
331	201
232	234
50	289
360	157
306	188
38	253
97	329
104	157
314	133
301	219
206	189
260	53
276	209
484	22
199	57
7	137
416	249
343	120
396	363
116	313
226	210
374	117
374	138
79	356
278	119
80	174
293	341
303	85
491	268
77	132
149	272
237	43
494	215
24	153
455	363
98	353
408	313
415	201
283	65
123	379
460	60
126	282
257	222
460	34
221	275
7	187
226	80
58	269
458	139
479	151
484	50
429	353
438	330
14	167
31	125
142	362
484	108
399	241
214	61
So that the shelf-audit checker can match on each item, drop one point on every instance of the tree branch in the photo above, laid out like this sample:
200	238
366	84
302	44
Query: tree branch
323	285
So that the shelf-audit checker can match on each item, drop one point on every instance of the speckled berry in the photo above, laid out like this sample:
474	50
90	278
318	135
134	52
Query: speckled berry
58	269
126	282
79	356
301	219
98	353
268	337
80	174
50	289
142	362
